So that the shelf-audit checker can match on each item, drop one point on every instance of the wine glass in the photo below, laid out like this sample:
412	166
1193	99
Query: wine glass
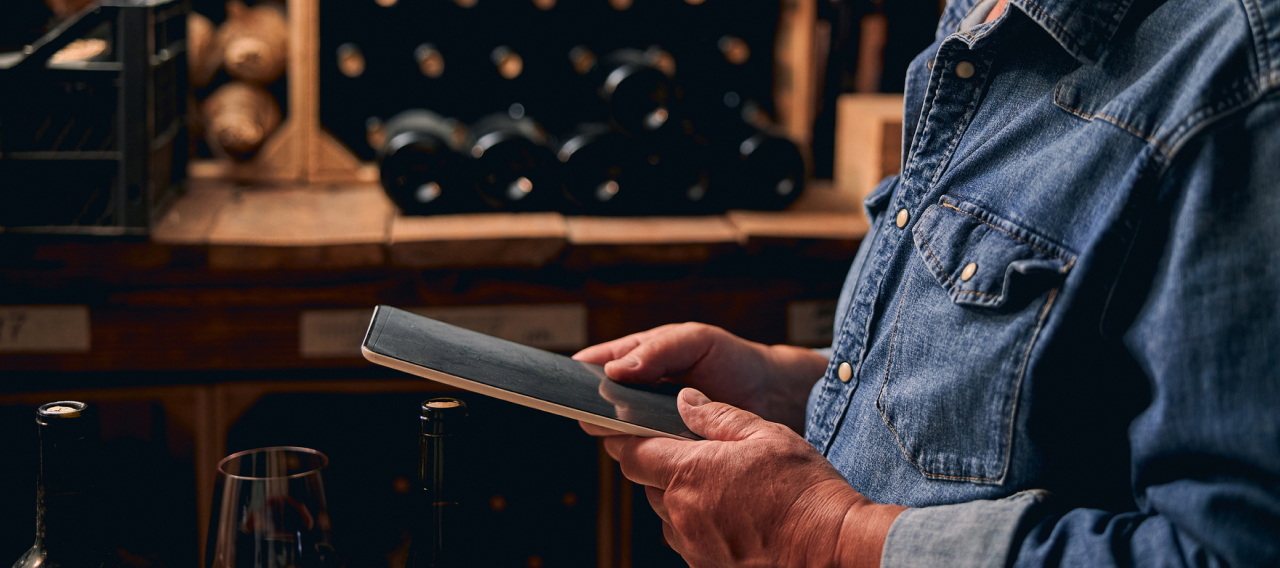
270	511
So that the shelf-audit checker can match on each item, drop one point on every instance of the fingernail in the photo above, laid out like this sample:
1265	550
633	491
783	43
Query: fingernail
629	362
694	397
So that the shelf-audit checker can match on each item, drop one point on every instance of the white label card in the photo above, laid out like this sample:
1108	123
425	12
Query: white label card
44	329
554	327
810	322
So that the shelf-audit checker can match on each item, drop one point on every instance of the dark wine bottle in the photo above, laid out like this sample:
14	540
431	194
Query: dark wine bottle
763	169
351	60
515	168
683	167
69	531
437	542
640	98
422	168
606	173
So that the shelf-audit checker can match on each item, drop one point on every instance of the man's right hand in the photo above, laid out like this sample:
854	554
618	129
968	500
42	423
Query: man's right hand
772	382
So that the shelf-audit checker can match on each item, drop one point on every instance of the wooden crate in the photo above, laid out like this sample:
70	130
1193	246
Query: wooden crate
868	141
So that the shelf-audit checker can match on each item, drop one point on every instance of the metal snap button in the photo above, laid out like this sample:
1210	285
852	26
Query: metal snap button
845	372
964	70
903	217
929	64
968	271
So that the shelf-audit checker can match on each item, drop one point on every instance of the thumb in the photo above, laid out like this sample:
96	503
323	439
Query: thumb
716	420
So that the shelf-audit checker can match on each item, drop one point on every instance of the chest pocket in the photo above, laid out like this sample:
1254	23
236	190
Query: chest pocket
975	296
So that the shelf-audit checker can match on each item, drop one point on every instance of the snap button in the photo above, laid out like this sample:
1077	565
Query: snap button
964	70
903	217
845	372
968	271
929	64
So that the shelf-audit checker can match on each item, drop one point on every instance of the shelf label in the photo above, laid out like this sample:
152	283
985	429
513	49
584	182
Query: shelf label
554	327
810	322
44	329
332	333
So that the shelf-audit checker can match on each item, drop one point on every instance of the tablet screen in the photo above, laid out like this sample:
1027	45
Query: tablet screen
516	373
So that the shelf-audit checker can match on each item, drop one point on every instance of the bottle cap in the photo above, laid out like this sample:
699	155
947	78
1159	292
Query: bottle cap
443	416
61	410
68	417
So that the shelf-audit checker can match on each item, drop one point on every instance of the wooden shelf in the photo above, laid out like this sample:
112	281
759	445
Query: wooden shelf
353	226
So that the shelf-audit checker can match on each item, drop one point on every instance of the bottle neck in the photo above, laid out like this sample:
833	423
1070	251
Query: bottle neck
436	453
66	500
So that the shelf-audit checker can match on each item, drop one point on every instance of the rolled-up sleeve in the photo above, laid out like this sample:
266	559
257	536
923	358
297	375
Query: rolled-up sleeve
978	533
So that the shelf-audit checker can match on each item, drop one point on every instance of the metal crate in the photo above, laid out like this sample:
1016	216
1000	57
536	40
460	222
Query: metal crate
97	146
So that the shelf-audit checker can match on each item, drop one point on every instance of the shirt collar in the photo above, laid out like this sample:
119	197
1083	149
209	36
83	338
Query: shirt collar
1082	27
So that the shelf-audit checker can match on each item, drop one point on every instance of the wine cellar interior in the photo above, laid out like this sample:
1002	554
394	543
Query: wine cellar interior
201	202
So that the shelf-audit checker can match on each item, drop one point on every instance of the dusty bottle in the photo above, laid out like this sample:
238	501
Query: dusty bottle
68	527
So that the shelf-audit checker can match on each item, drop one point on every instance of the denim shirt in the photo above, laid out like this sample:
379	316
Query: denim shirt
1060	340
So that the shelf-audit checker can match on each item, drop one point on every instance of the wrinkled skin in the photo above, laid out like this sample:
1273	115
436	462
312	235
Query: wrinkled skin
753	493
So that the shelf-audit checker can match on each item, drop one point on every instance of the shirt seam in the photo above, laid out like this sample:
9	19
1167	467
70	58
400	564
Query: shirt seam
1131	129
1016	237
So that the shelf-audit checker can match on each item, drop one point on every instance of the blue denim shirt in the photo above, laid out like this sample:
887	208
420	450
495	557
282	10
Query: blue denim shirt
1063	330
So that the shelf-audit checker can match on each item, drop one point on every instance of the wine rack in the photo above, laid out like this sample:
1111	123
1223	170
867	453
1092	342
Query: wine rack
350	62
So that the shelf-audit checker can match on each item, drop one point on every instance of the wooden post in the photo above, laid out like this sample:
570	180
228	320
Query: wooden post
322	158
795	78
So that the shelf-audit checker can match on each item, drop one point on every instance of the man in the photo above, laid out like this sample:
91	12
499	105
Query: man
1060	341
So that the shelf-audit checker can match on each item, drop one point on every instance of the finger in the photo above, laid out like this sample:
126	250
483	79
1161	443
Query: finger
616	349
655	496
614	446
716	420
652	462
669	350
605	352
599	431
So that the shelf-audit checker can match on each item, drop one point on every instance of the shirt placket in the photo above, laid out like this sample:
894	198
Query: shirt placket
957	75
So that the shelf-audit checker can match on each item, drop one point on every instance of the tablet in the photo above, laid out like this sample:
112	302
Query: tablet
517	373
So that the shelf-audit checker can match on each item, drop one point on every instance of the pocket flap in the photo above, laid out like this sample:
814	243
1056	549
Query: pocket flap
975	255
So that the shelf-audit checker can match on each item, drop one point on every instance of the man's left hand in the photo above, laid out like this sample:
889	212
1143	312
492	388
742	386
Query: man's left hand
752	493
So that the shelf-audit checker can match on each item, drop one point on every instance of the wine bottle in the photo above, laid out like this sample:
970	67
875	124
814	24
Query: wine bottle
430	60
437	542
515	168
639	96
68	527
764	169
683	168
519	74
239	118
606	173
421	166
350	60
203	59
254	42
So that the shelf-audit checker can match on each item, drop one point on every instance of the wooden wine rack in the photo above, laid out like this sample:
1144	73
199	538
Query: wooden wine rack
302	151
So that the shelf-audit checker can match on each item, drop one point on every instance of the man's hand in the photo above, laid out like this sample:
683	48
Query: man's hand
752	494
772	382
